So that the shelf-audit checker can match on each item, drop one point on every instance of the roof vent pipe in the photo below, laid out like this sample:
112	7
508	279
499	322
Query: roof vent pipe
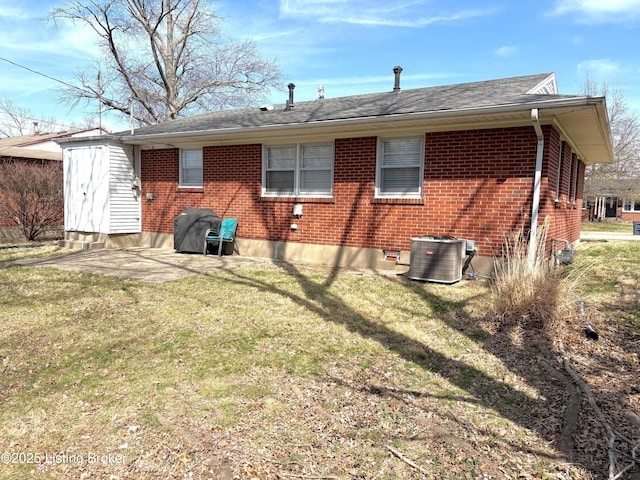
397	70
290	101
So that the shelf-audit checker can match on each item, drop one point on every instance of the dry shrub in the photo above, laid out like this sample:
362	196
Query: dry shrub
32	196
532	294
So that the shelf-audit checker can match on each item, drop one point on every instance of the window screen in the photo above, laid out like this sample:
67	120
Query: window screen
400	166
191	168
299	170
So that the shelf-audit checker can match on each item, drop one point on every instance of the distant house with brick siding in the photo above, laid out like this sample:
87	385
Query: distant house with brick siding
369	172
618	200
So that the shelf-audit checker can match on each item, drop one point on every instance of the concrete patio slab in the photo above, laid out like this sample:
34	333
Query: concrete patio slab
146	264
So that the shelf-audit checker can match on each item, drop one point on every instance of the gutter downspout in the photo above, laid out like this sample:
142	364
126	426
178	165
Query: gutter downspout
535	208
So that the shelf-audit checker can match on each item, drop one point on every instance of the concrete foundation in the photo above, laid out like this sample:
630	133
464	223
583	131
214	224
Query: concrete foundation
327	255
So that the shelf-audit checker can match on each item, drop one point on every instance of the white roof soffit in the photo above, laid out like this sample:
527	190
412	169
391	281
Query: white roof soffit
583	122
586	129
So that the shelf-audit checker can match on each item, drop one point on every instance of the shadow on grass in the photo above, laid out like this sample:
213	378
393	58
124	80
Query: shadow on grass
481	388
316	295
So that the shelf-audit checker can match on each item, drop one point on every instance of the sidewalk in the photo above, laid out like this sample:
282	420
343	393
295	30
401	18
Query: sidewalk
594	236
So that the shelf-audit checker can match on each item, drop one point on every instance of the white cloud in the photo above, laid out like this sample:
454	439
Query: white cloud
16	12
506	51
393	13
23	36
599	11
600	68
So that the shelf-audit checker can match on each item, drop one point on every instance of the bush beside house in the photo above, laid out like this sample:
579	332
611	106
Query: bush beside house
31	202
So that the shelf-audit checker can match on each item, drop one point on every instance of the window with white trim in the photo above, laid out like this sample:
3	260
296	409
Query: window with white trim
298	170
631	206
191	168
400	167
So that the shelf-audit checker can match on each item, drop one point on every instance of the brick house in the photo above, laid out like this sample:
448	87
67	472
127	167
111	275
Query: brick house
618	200
369	172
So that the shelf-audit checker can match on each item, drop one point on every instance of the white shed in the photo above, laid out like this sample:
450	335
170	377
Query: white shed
101	191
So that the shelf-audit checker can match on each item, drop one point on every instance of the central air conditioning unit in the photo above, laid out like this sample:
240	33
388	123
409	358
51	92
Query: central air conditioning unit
437	259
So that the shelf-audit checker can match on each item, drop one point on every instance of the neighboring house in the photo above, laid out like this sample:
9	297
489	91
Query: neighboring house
630	210
620	201
343	180
39	149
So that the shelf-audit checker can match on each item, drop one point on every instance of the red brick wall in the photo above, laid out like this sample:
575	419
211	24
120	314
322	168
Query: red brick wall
630	216
6	222
477	185
565	213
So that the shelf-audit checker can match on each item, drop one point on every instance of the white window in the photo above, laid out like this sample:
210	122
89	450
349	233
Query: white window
191	168
298	170
631	206
400	167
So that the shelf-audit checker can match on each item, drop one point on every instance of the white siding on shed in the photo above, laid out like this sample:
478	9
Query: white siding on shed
100	195
125	207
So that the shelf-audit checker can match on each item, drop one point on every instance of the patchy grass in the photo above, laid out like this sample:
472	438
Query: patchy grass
608	226
613	280
281	371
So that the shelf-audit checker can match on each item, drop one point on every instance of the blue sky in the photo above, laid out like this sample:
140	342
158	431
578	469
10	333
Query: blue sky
351	46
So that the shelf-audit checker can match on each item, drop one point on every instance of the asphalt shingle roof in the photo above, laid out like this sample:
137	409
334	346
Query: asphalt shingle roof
507	91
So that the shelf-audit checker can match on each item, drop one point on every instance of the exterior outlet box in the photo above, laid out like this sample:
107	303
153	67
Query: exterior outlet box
471	246
297	210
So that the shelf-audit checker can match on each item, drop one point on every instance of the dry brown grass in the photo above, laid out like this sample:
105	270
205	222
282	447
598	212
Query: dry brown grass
280	371
533	294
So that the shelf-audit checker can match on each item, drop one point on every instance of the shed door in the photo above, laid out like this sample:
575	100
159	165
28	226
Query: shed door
86	190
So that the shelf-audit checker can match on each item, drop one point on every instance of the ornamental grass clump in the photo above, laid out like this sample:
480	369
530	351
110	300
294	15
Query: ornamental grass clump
531	293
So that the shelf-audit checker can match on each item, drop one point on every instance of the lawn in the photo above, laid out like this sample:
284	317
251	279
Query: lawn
279	371
608	226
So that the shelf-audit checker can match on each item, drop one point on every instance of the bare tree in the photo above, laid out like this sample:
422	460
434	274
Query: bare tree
165	58
622	177
18	121
31	196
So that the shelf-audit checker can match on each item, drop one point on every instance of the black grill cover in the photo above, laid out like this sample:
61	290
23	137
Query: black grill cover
190	227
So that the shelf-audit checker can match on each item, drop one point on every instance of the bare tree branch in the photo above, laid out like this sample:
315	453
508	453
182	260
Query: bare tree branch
622	177
18	121
32	196
614	471
164	59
